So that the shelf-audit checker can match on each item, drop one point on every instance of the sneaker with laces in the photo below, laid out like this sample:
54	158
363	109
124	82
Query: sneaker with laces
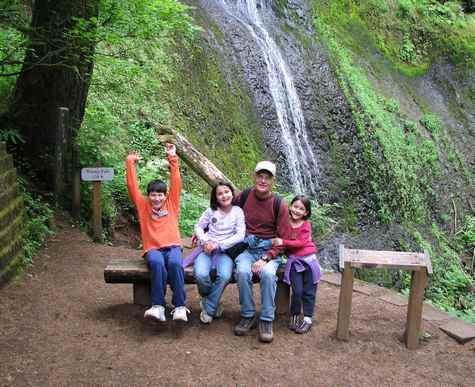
294	320
303	327
205	318
219	311
156	313
266	334
245	325
180	313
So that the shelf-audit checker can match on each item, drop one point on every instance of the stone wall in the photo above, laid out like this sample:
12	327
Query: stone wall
11	218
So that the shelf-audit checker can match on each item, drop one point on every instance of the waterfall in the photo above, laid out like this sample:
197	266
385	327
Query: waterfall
298	152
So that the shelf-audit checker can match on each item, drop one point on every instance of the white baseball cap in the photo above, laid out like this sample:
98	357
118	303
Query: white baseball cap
268	166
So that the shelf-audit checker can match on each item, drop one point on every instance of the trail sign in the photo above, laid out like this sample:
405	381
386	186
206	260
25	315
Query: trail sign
97	174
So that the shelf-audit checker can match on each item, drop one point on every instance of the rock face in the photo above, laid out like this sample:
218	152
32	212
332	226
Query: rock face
324	108
340	173
11	215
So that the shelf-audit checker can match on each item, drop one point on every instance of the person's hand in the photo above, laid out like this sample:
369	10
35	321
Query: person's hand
209	247
277	242
171	149
194	241
134	157
257	266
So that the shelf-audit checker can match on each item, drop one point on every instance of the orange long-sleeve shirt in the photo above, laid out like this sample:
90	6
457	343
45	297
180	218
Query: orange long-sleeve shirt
163	231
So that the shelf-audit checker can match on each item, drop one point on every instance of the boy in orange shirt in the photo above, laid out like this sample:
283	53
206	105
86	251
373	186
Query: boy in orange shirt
158	216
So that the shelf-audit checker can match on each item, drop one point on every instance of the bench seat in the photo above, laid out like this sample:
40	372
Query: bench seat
136	272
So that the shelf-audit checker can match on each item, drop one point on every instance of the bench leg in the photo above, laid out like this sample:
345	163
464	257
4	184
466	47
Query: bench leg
414	308
344	307
282	298
142	294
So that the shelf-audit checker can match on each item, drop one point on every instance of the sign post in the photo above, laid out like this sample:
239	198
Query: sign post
97	175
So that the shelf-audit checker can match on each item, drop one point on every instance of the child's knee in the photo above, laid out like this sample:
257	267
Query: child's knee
155	260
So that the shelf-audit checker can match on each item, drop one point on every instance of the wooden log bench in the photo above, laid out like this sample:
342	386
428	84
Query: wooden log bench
418	263
136	272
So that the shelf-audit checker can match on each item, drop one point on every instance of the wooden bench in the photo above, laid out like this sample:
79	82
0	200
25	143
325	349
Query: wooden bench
135	271
418	263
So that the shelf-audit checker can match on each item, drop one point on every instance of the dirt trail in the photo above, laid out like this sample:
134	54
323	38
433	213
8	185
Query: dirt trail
61	325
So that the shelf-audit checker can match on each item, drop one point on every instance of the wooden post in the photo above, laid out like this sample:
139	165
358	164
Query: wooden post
282	298
59	155
76	195
97	210
142	293
414	308
344	307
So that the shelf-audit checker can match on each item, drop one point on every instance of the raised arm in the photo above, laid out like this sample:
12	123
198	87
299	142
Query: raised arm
132	185
175	178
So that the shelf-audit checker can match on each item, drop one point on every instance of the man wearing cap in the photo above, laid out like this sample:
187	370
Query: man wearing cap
264	220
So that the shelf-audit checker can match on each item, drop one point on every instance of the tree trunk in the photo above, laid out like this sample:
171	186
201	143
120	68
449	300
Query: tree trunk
192	157
56	73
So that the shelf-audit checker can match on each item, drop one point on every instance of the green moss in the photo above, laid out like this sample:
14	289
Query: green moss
411	34
216	113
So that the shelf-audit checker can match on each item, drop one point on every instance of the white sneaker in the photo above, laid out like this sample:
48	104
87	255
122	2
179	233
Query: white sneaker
219	311
179	313
205	318
156	312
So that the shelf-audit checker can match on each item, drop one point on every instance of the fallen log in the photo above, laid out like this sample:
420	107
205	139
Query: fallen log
192	157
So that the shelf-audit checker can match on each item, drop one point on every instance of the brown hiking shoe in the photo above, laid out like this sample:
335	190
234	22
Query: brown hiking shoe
266	335
245	325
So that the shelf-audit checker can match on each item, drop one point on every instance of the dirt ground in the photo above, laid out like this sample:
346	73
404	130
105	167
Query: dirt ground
61	325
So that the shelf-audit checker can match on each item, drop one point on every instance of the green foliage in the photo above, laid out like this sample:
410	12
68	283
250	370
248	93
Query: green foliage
450	287
402	158
411	33
38	217
379	127
11	136
323	217
466	236
432	124
192	206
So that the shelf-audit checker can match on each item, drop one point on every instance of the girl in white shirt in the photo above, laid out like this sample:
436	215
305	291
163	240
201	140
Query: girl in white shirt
220	227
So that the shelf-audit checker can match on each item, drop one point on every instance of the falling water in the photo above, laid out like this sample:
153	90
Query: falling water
297	149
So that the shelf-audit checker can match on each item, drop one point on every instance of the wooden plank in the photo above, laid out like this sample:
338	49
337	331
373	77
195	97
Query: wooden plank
341	254
385	259
414	309
135	271
428	262
128	271
344	307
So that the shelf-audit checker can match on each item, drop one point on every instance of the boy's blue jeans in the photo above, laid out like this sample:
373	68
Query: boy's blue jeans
212	292
165	266
268	283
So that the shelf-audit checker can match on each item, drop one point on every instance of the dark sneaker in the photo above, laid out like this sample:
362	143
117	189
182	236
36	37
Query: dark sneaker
303	326
244	326
294	320
266	335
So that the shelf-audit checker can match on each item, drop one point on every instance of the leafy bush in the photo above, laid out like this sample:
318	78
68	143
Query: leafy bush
466	236
37	224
